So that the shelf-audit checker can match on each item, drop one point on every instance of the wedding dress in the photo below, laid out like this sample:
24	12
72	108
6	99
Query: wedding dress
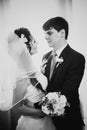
15	85
34	95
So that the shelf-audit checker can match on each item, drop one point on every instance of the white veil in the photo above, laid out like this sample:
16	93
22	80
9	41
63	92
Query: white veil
13	68
9	71
7	78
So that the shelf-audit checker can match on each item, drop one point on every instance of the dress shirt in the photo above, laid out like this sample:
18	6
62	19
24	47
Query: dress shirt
58	52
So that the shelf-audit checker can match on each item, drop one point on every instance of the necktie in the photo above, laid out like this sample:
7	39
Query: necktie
53	63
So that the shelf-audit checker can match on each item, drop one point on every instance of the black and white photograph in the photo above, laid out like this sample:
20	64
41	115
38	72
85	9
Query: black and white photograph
43	67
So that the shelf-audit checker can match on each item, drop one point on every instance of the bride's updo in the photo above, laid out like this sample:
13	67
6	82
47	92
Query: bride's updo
27	35
19	40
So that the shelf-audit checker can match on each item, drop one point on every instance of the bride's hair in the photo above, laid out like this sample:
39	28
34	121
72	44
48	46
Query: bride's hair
26	33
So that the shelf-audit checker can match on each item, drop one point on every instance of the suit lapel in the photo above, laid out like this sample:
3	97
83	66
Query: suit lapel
47	70
63	55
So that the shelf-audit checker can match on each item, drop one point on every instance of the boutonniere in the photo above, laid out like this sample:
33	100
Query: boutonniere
59	60
43	65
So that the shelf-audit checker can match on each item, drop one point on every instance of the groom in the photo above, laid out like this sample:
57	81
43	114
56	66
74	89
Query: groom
67	73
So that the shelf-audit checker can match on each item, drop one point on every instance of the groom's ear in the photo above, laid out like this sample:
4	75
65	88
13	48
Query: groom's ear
62	33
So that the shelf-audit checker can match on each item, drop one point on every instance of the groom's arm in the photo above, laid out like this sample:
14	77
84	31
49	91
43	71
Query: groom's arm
73	78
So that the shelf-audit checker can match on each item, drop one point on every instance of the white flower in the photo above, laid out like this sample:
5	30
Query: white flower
54	104
59	60
45	110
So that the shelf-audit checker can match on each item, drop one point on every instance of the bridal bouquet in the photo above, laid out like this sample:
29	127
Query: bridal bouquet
54	104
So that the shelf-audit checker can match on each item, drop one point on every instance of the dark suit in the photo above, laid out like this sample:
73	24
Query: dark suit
66	79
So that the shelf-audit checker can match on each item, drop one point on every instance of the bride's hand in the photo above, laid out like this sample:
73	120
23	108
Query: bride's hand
28	103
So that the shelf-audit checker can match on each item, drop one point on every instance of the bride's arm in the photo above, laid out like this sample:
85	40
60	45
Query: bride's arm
30	110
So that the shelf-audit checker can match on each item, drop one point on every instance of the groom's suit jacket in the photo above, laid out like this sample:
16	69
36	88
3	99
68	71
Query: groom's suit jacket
66	79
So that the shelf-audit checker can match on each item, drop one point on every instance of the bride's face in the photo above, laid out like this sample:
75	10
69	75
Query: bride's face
33	46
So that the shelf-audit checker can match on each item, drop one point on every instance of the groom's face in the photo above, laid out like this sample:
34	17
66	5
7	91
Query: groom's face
53	37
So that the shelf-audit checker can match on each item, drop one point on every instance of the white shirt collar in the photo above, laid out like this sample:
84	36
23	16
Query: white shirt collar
58	52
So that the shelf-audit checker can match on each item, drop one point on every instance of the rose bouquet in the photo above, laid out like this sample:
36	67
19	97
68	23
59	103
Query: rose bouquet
54	104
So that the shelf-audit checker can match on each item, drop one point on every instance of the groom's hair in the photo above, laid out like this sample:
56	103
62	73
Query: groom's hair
26	33
57	23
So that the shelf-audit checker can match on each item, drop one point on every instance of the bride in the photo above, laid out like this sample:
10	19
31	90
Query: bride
25	83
